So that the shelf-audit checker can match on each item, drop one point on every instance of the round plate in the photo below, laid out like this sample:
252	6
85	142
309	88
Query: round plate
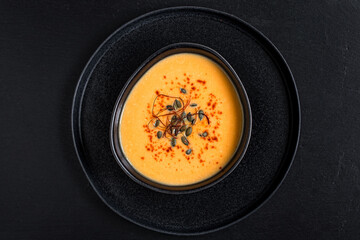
275	111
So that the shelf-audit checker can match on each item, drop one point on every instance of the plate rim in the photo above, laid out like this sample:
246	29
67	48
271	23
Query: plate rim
95	58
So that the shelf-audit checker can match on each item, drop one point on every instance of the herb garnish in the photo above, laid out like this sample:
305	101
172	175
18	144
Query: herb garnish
178	123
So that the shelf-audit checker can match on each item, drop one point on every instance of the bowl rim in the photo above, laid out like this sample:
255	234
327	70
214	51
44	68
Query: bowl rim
124	163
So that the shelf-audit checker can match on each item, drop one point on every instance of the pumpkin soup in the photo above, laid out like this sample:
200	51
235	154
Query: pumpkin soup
182	121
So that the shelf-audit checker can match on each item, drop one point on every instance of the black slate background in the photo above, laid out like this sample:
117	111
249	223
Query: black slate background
44	46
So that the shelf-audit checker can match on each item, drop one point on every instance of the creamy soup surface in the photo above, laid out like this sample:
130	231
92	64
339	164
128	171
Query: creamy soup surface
188	83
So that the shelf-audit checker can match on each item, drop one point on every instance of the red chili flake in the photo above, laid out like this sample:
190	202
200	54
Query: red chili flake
220	167
184	74
214	138
201	81
217	162
193	88
142	158
214	106
187	78
157	92
164	76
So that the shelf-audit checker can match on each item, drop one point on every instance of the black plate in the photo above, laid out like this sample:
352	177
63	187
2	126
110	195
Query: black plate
275	111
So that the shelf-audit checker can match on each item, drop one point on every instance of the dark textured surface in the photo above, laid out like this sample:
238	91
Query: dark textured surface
43	49
269	154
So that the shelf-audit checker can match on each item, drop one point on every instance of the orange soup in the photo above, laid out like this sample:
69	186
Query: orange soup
182	121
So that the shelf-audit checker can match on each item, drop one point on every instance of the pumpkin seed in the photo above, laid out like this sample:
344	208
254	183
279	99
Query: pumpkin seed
201	114
193	121
182	90
157	122
175	131
193	105
177	104
159	134
169	107
188	131
183	128
205	134
173	142
189	117
184	140
188	152
183	115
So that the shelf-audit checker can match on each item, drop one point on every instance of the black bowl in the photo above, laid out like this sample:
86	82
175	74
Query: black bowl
153	59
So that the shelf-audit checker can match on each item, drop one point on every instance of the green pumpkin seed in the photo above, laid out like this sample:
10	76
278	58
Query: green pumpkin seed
173	119
193	105
205	134
182	90
184	140
183	115
157	122
189	117
193	121
183	128
159	134
175	131
177	104
173	142
169	107
201	114
188	131
188	152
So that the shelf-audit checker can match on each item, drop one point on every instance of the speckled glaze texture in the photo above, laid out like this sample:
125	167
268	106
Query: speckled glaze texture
275	112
